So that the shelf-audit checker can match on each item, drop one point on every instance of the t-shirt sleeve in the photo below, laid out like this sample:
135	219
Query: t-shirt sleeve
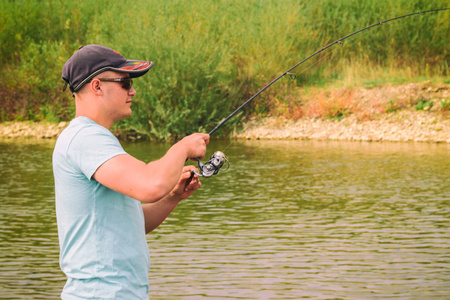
91	147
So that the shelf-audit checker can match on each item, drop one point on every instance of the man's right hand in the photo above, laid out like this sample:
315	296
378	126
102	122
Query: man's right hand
195	144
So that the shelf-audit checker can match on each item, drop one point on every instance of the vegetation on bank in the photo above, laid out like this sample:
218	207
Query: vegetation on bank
210	56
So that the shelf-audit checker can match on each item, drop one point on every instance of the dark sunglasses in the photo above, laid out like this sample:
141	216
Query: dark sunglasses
127	82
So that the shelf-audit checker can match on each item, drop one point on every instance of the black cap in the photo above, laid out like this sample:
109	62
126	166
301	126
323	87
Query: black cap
91	60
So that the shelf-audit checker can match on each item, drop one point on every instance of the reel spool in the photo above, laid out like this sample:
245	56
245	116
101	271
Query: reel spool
213	165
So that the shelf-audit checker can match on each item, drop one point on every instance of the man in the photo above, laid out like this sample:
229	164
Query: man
99	187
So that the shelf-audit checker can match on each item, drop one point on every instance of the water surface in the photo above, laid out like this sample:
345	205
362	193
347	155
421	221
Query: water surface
288	220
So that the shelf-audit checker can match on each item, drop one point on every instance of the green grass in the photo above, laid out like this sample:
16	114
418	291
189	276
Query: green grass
210	56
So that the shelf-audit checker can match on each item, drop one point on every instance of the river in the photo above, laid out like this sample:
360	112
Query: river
287	220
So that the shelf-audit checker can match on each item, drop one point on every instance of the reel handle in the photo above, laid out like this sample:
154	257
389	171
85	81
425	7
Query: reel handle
190	178
193	172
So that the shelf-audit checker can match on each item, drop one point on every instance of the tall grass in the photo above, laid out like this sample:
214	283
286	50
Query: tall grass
209	56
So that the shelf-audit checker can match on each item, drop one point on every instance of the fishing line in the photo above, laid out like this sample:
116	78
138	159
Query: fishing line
312	55
293	76
213	165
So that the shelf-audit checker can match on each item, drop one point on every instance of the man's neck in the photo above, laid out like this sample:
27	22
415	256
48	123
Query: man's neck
96	118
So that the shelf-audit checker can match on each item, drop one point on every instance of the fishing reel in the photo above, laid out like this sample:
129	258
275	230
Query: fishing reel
212	166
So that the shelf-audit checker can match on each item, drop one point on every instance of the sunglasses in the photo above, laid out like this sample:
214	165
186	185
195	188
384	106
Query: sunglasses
127	82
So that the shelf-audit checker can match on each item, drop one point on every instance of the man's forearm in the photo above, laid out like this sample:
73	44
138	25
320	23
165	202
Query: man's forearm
156	213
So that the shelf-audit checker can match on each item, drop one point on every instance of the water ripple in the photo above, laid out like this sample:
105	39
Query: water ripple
289	220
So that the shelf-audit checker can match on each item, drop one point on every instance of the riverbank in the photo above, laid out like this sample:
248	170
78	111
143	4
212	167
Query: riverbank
414	112
404	126
30	130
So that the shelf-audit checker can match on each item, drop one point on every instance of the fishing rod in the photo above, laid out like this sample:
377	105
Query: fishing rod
217	160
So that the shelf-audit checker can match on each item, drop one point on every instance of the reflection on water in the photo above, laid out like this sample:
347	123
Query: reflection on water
29	266
289	220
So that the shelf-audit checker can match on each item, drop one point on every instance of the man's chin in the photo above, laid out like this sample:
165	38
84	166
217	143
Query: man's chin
124	115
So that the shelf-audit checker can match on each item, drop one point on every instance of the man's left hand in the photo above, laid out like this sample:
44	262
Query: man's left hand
181	191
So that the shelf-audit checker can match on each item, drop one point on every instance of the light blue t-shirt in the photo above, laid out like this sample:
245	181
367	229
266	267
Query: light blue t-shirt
101	232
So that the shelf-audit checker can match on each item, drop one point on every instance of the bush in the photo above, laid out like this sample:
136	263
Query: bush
210	56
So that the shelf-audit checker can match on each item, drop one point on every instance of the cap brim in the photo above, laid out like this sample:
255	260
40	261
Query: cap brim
135	68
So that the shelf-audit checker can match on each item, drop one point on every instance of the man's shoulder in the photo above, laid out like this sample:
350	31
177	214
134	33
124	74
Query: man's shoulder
85	127
83	134
86	145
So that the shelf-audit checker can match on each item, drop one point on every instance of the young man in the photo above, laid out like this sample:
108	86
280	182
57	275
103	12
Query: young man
99	188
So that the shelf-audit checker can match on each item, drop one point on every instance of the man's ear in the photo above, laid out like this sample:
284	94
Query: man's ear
96	86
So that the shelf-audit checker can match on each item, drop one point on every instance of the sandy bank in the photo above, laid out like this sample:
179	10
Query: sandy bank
384	113
403	126
38	130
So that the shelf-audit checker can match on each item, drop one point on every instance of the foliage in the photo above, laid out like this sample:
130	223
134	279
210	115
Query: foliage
424	105
445	105
210	56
